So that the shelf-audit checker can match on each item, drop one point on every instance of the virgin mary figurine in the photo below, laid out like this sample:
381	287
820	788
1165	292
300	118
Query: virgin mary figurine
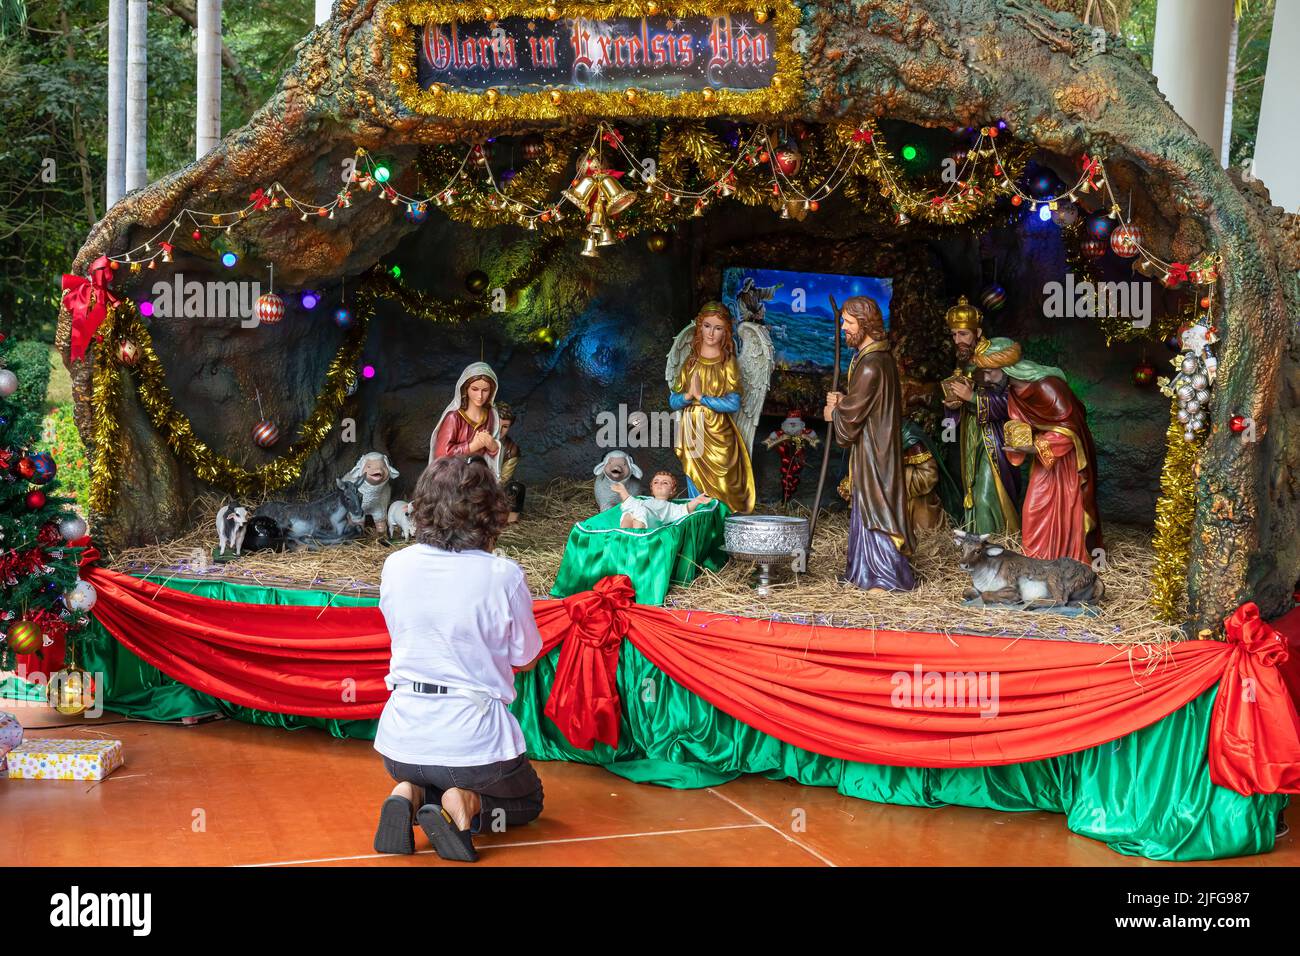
469	424
707	388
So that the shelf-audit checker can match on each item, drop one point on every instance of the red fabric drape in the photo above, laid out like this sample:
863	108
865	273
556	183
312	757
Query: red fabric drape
857	694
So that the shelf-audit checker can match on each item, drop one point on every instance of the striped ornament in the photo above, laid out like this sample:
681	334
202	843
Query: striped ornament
265	434
270	308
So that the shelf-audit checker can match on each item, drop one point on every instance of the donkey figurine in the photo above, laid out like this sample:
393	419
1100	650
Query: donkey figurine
332	519
1000	576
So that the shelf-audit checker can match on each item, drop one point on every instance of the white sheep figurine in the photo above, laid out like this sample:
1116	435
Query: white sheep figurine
615	467
401	518
374	472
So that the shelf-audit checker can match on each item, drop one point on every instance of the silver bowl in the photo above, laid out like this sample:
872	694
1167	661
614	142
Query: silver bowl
766	540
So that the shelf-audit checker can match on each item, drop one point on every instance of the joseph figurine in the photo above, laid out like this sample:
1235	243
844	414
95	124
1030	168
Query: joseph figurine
867	419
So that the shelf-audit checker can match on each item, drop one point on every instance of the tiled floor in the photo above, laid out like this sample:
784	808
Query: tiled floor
227	793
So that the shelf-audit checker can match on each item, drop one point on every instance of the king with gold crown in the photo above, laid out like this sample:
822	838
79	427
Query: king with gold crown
1011	409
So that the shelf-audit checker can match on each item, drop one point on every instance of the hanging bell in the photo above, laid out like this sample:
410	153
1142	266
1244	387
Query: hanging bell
605	236
532	224
589	248
617	198
580	194
597	218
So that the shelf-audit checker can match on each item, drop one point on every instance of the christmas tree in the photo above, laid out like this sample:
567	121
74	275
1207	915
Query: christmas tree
42	602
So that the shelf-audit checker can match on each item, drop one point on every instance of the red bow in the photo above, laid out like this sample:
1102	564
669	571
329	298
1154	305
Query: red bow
584	701
1256	636
863	136
1091	167
1177	272
260	199
87	299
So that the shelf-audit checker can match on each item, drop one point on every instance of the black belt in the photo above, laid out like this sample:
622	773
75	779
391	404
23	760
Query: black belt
430	688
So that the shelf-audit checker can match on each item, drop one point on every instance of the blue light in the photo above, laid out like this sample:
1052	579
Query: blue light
1045	213
228	259
309	300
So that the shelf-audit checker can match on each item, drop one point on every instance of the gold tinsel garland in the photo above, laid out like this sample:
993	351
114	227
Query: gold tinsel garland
176	429
781	97
1175	514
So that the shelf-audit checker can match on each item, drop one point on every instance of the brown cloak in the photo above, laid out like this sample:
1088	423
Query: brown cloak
868	420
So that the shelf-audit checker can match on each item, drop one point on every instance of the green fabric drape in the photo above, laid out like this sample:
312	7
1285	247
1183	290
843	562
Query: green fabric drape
1148	794
655	559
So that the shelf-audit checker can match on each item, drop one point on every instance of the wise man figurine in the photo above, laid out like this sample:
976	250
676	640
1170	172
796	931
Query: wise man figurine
867	419
1012	410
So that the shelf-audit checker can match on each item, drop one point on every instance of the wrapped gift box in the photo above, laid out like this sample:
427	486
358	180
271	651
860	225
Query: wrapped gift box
11	735
64	759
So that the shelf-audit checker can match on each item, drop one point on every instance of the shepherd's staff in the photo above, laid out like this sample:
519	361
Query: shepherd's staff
830	427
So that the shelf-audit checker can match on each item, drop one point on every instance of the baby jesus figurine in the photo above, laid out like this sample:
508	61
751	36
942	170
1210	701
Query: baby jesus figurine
659	510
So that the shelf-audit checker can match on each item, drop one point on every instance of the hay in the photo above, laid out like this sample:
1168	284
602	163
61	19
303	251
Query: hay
537	543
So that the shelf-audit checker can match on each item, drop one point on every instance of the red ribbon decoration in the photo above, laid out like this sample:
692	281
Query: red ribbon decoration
260	199
1254	723
584	702
88	299
863	136
1177	272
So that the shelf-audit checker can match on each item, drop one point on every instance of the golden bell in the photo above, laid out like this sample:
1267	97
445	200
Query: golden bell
597	219
617	198
963	315
605	237
580	194
589	248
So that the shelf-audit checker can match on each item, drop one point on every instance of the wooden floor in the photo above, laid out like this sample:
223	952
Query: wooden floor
231	794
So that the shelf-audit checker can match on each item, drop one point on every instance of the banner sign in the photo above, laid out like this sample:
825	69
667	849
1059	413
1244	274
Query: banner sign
655	54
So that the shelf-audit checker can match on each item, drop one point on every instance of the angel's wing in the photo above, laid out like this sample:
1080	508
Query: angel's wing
679	353
755	360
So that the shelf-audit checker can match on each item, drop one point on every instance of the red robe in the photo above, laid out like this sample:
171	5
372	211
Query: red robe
1059	518
455	434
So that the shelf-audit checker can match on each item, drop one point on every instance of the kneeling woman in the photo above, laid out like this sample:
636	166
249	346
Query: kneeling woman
460	620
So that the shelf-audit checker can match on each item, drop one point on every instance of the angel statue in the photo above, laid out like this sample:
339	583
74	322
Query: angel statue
750	299
719	395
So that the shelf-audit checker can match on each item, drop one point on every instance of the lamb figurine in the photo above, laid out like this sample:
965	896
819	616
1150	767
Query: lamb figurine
1000	576
615	468
400	518
232	525
374	472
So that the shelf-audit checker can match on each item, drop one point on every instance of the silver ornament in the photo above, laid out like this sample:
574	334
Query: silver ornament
1183	415
1193	406
1202	396
1189	435
1185	393
1200	380
72	528
1189	364
8	383
82	597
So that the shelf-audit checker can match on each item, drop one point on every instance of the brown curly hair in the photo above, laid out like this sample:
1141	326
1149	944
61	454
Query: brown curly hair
459	505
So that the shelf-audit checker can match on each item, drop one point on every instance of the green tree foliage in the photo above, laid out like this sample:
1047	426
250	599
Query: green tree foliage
53	128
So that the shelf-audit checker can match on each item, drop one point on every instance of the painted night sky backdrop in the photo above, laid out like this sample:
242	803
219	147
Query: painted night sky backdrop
804	339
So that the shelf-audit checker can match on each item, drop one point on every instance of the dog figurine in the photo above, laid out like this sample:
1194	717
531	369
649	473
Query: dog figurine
617	467
400	519
1000	576
232	525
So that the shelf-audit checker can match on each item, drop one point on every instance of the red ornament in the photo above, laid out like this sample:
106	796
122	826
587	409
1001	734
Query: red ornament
1093	248
128	353
1144	373
196	235
788	161
26	467
1125	240
23	637
1016	200
265	434
1237	423
35	499
1205	302
270	308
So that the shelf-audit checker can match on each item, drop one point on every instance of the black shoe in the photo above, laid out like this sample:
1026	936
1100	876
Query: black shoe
395	834
448	842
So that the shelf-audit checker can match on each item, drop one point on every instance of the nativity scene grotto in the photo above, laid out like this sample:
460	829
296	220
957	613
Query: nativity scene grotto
1066	457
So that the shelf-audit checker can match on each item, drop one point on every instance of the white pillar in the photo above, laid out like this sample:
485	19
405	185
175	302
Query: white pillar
1277	141
1190	61
116	179
137	93
323	9
207	131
